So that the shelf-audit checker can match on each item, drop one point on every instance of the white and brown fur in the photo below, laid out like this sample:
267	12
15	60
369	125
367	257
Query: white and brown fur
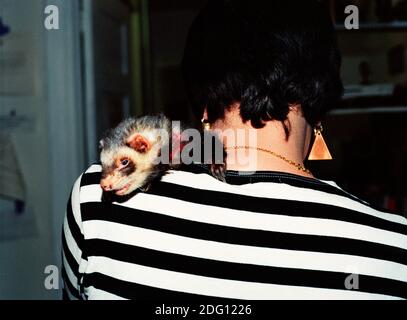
130	151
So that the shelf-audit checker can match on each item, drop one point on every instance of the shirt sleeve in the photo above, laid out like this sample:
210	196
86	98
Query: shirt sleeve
74	260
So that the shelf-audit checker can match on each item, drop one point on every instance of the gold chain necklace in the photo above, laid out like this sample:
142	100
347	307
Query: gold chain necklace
299	166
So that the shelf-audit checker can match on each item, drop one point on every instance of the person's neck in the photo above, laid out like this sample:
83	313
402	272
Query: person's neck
271	137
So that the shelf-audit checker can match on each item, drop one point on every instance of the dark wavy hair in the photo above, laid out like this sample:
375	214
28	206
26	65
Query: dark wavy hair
265	54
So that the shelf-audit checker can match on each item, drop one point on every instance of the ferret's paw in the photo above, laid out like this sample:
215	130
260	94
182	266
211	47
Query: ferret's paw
218	171
145	188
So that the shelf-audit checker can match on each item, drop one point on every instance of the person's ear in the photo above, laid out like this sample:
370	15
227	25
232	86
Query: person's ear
101	144
206	125
205	114
295	107
139	143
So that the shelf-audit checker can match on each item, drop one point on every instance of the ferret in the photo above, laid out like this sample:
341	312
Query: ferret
141	150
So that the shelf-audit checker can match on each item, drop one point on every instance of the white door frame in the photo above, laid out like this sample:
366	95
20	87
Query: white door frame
89	81
65	111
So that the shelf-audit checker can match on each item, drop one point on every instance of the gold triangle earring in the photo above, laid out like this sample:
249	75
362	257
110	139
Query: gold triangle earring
319	150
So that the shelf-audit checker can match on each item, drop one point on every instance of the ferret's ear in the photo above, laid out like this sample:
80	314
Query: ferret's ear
101	144
139	143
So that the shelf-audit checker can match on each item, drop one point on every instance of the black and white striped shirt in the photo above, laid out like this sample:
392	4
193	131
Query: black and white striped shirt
267	235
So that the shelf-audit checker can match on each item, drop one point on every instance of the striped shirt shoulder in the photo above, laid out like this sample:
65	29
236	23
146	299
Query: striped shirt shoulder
263	235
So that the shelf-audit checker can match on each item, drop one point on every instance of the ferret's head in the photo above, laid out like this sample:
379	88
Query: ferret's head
126	164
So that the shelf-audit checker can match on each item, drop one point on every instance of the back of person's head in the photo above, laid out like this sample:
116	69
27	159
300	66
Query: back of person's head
264	54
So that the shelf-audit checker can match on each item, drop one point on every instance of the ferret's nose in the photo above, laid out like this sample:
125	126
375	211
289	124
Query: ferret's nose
105	185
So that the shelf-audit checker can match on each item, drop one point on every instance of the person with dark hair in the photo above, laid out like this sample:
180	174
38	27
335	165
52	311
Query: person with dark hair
272	230
266	55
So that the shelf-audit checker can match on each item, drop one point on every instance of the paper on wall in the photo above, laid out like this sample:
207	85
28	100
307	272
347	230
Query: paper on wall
12	184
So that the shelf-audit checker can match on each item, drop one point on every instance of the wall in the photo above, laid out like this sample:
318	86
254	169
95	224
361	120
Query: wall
23	260
50	151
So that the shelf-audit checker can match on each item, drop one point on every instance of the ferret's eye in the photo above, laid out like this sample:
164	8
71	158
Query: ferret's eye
124	162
